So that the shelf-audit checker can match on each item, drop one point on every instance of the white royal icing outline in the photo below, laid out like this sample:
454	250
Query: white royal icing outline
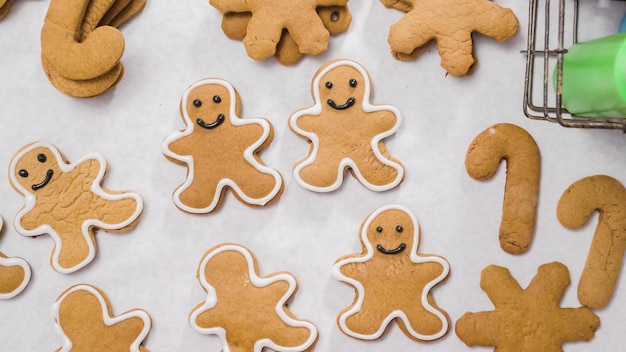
30	202
316	109
248	153
13	261
108	320
415	258
211	301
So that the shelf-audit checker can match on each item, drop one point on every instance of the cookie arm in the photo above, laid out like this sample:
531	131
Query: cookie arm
495	21
407	34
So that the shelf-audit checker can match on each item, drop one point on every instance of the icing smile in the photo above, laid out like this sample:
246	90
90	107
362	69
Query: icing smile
343	106
45	181
396	250
217	122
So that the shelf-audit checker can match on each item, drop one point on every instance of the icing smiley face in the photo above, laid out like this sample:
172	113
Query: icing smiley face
382	249
391	232
339	88
35	176
208	113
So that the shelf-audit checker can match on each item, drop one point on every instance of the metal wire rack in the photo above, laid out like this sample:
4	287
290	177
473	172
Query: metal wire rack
544	55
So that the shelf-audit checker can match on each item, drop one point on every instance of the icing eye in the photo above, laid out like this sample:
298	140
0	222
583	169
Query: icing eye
379	229
352	83
23	173
42	158
399	228
334	17
217	99
197	103
329	85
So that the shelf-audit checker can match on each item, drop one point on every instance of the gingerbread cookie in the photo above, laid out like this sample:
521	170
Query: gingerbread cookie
450	25
390	239
5	6
346	132
583	198
527	319
220	150
270	19
14	274
68	202
84	321
521	192
248	312
336	19
80	48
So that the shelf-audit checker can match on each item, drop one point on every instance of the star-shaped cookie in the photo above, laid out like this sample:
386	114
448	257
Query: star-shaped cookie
450	23
248	312
527	320
83	320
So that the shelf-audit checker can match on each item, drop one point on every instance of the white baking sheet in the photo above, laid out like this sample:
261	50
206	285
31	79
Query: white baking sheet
172	44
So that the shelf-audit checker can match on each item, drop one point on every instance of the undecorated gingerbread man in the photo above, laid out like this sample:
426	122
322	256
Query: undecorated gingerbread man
346	132
392	281
271	17
67	202
220	150
450	24
248	312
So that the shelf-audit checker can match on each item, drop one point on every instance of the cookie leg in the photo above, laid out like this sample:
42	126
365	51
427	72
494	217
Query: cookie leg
421	321
253	183
200	195
456	53
263	43
322	172
311	39
377	173
12	276
367	321
291	336
74	249
405	35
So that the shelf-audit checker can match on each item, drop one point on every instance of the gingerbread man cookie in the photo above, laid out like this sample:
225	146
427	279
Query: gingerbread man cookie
220	150
248	312
270	18
391	280
83	320
336	19
68	202
5	6
527	320
14	274
346	132
450	24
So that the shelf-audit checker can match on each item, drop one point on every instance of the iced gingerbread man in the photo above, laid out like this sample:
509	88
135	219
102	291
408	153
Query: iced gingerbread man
346	132
392	281
229	275
220	150
67	202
